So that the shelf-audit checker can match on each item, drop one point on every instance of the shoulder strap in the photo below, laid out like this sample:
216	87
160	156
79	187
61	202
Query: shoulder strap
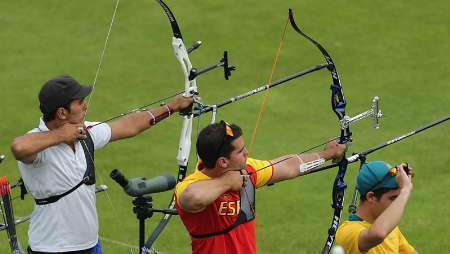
53	199
88	178
88	148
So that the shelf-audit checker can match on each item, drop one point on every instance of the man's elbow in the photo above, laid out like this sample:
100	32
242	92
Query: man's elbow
377	236
191	201
370	238
17	149
21	152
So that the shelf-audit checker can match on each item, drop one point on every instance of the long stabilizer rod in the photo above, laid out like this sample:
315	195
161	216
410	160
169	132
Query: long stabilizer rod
259	89
357	156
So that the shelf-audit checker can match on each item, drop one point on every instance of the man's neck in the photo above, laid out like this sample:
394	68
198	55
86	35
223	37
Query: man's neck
364	213
54	124
211	172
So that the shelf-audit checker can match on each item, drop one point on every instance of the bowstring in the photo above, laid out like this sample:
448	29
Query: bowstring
268	81
102	55
97	74
260	114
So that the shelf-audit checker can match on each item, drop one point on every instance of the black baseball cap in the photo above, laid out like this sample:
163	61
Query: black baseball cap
60	91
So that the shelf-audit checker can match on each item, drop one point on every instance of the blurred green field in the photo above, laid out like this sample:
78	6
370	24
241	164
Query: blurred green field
397	50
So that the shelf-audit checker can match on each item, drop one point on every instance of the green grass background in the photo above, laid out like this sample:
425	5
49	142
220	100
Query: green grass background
398	50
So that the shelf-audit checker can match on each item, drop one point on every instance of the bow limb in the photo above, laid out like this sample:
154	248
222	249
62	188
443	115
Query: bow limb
190	88
338	104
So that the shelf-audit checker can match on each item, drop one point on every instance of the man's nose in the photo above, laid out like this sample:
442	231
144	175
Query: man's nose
245	152
84	106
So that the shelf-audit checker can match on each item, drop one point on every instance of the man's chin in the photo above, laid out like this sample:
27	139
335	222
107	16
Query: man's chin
78	121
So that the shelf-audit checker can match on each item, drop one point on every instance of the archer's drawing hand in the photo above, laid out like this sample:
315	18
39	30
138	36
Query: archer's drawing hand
68	133
179	103
233	179
334	150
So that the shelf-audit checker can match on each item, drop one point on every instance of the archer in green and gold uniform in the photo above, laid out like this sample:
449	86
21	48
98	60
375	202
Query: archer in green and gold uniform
384	192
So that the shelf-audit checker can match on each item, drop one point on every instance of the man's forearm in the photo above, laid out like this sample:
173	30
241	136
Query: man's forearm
135	123
390	218
28	145
295	166
202	193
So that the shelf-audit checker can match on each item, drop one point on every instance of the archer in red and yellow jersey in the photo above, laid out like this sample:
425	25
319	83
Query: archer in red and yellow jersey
227	225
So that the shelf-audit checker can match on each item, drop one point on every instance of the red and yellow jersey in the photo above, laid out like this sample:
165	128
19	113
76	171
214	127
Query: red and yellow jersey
347	236
222	214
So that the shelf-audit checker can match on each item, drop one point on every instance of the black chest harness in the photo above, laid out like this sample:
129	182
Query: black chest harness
88	178
246	213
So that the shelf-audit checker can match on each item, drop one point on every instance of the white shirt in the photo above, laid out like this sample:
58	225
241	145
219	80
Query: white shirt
70	223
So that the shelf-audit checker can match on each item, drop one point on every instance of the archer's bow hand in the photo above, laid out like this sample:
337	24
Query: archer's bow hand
180	103
333	150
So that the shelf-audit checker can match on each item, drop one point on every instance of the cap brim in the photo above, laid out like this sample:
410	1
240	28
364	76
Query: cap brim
84	91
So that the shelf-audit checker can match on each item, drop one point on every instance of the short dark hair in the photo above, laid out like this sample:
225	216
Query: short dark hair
214	142
377	193
48	116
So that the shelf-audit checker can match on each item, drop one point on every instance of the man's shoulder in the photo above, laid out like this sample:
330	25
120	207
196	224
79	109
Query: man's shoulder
256	164
96	126
34	130
355	223
347	235
197	175
352	226
100	133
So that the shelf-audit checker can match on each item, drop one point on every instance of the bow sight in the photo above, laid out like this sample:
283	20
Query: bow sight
227	69
374	112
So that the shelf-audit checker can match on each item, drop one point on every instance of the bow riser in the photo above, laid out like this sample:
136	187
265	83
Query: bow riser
184	147
190	86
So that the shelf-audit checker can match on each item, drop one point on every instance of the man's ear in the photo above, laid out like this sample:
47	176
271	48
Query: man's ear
222	163
370	196
61	113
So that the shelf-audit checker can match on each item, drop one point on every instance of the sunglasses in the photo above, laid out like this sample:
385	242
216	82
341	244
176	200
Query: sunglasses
227	133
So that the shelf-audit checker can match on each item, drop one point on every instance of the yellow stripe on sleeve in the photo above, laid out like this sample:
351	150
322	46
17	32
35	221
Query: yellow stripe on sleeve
262	176
192	178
